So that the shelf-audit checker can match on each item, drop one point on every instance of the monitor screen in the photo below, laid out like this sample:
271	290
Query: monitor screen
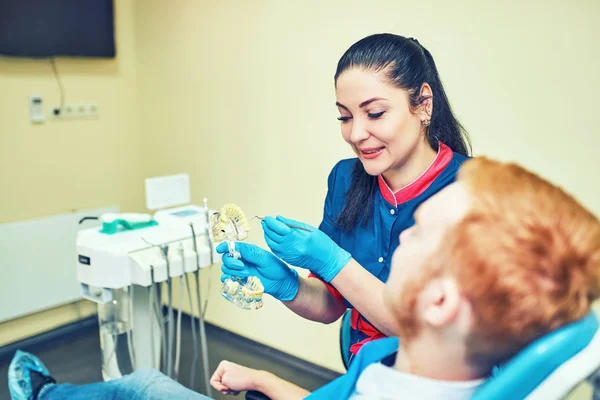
54	28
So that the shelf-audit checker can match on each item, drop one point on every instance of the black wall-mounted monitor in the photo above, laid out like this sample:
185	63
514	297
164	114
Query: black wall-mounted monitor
55	28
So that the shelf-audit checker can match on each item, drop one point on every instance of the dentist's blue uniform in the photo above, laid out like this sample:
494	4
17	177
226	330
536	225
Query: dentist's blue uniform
372	245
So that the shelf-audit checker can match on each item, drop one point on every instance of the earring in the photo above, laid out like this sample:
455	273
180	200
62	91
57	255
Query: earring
426	122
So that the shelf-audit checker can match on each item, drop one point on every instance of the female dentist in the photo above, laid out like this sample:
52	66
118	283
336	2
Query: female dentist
395	115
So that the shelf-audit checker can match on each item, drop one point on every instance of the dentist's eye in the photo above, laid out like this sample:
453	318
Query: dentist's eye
344	119
375	115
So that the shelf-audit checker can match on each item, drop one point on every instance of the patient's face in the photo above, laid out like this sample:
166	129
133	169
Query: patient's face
420	242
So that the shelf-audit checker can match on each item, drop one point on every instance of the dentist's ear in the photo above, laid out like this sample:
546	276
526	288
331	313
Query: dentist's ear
440	301
425	108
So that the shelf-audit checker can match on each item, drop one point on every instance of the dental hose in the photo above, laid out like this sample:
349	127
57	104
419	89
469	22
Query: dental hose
112	354
194	338
203	345
201	331
130	328
151	311
161	319
170	321
178	338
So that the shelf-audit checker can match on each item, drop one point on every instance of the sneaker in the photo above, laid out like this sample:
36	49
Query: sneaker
26	376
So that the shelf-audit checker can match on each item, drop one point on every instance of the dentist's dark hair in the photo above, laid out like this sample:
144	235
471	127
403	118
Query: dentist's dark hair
407	65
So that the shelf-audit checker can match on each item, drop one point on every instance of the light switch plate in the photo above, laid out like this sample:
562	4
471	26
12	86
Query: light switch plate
36	109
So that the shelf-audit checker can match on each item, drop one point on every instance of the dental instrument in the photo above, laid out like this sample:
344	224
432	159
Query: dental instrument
152	292
203	342
290	225
163	334
165	250
151	309
130	318
201	328
194	340
178	334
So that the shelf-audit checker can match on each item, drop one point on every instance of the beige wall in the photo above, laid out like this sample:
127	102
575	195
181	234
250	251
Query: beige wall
241	96
59	166
33	324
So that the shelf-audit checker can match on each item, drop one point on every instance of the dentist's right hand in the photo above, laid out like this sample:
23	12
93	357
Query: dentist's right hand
279	280
310	248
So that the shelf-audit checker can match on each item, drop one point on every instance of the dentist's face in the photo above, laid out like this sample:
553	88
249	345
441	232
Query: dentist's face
376	120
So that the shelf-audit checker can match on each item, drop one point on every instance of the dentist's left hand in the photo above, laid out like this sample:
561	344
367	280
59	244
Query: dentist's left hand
279	280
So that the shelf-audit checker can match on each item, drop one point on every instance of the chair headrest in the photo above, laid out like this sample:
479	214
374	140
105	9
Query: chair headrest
527	370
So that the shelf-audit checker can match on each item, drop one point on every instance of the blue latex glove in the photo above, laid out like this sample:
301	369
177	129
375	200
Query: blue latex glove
314	250
279	280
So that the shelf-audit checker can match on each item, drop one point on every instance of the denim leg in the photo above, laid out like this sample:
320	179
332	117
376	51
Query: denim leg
93	391
151	384
144	384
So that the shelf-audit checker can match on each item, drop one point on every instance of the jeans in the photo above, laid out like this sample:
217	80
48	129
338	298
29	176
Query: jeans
143	384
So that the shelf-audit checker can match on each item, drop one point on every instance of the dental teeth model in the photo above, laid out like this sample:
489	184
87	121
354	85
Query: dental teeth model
247	295
230	225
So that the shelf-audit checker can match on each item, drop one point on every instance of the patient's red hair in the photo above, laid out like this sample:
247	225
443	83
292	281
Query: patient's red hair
526	256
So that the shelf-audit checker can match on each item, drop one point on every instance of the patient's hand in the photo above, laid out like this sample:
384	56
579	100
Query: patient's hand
231	378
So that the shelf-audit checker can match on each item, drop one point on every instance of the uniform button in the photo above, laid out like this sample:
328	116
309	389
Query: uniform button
392	211
380	259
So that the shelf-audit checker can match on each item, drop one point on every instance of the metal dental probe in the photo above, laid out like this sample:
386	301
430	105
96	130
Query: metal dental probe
290	225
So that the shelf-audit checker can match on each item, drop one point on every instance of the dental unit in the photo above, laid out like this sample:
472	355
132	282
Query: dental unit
127	266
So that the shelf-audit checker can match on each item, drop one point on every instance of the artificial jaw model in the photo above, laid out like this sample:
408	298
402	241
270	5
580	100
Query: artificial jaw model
230	225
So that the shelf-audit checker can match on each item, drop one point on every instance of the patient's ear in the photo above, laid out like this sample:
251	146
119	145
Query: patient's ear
439	301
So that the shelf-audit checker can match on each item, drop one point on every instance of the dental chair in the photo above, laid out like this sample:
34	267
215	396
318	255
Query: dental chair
550	368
